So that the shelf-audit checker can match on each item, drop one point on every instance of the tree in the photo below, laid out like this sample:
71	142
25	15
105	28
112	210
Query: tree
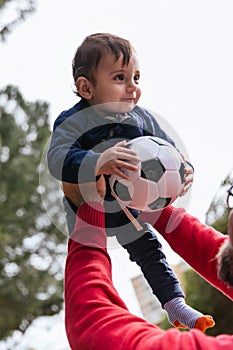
17	11
31	247
202	296
217	213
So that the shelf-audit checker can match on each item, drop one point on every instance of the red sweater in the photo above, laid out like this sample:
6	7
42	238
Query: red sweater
97	318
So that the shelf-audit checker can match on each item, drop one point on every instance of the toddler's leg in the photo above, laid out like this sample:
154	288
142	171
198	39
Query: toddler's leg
147	252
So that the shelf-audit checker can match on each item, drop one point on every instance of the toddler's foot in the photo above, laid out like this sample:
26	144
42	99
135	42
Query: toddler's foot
184	316
177	324
202	323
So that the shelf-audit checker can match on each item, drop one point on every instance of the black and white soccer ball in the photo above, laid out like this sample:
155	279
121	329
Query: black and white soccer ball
159	179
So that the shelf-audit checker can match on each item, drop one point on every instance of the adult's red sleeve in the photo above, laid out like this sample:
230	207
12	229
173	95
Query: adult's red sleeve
197	243
96	317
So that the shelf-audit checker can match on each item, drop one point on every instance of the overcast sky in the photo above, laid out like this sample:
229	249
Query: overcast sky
186	55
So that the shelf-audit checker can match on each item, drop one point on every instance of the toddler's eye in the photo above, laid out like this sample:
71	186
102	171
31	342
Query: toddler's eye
120	77
136	78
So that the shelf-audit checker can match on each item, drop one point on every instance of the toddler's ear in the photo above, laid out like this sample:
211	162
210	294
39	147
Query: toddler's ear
84	87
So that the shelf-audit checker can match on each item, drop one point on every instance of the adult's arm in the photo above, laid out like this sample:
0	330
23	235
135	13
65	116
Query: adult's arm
197	243
96	317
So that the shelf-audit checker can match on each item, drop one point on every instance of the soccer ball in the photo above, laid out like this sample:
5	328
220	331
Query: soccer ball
159	179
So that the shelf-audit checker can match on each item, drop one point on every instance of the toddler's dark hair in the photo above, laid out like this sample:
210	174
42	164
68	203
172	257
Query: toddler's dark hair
92	50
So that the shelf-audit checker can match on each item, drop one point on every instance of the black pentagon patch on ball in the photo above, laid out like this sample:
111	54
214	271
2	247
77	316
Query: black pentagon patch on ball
121	191
152	169
159	203
181	171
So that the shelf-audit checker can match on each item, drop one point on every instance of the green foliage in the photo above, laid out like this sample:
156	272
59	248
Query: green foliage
217	213
18	11
202	296
31	248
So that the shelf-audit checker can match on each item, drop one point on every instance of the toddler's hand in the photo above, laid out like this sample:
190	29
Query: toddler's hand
115	159
188	180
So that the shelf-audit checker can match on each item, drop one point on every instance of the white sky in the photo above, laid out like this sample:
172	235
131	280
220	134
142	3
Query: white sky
186	55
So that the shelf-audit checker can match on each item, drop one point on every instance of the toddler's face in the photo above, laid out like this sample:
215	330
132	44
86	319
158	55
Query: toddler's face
117	86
